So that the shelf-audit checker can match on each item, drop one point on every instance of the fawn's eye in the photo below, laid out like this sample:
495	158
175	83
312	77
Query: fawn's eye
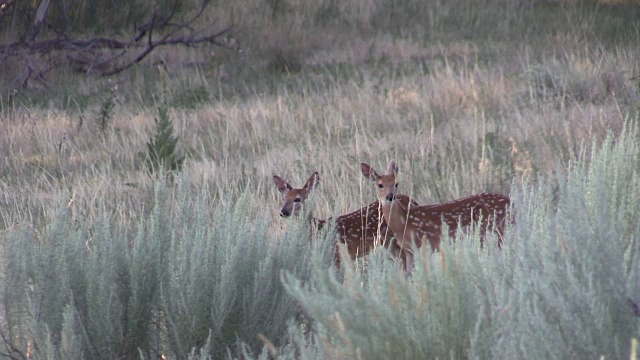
380	186
296	200
396	185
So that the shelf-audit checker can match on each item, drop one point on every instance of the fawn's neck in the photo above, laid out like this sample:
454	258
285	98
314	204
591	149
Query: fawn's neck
395	214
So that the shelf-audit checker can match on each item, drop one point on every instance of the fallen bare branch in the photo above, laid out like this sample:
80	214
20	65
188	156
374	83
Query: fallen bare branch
39	22
96	55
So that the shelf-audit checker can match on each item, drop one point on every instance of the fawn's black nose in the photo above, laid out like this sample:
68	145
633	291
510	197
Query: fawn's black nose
390	197
284	213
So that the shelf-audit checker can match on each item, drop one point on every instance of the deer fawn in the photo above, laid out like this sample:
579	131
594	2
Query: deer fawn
414	224
359	230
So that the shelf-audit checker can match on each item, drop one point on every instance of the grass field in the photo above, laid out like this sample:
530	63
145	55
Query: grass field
466	98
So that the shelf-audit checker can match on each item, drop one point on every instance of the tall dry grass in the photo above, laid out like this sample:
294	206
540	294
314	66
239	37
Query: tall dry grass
462	104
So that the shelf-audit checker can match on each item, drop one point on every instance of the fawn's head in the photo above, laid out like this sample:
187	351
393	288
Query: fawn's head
294	198
387	184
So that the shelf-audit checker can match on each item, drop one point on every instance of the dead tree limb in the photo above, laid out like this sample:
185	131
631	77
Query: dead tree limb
39	21
106	56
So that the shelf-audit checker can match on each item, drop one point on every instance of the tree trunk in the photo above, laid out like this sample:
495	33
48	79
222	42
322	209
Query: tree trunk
39	21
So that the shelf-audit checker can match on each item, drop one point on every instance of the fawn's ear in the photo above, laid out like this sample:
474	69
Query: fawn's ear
282	185
393	168
369	172
313	181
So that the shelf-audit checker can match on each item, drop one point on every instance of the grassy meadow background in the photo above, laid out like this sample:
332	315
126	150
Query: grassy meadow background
537	99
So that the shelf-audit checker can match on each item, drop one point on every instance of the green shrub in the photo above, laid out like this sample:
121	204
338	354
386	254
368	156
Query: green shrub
105	115
576	268
565	284
437	312
200	276
162	149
